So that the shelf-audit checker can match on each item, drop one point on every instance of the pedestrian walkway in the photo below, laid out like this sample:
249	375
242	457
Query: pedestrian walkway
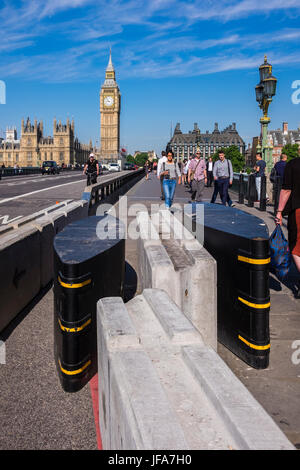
37	414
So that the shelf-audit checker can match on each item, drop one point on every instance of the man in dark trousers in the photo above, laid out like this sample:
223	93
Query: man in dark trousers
223	175
289	204
260	167
209	170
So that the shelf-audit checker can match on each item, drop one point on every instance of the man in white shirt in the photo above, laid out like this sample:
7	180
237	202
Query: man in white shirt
209	169
159	171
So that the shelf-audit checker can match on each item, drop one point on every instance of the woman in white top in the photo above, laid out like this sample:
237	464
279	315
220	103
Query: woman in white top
170	171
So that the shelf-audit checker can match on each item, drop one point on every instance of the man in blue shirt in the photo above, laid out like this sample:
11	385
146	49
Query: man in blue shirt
280	166
259	168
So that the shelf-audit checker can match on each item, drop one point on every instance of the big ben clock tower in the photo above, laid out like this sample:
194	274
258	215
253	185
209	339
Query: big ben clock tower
110	106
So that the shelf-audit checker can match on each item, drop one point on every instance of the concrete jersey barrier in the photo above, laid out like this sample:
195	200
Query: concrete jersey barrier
161	387
26	253
180	266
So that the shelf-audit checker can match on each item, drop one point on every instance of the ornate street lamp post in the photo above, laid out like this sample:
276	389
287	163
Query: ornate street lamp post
265	91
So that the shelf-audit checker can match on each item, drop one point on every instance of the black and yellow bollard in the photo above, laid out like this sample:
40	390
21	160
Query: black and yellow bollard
253	303
239	242
89	263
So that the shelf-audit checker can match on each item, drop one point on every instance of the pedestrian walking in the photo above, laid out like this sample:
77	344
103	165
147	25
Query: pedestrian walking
279	167
223	175
169	171
197	176
209	170
159	170
260	167
147	169
184	172
289	204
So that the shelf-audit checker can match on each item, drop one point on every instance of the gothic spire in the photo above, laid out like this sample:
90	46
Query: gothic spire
110	67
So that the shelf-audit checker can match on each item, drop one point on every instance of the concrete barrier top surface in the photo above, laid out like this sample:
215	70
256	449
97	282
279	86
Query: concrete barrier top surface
88	237
231	220
161	387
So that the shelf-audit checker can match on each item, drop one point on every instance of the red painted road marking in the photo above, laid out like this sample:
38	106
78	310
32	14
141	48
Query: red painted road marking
95	399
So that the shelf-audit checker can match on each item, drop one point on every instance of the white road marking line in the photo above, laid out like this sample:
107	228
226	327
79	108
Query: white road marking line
5	219
36	180
40	190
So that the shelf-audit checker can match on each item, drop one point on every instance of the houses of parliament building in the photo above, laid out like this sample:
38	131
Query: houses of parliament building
33	147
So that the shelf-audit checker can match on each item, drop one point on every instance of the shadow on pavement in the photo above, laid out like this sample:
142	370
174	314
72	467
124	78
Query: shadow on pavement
5	334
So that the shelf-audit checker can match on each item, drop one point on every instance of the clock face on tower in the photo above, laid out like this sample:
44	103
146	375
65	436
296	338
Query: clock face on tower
108	101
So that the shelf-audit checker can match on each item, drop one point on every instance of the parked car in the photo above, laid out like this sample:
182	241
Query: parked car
129	166
114	167
50	167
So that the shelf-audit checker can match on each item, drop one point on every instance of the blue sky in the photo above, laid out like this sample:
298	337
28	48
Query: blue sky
176	61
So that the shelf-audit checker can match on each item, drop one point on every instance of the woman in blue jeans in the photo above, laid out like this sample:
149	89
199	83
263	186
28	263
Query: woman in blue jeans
170	170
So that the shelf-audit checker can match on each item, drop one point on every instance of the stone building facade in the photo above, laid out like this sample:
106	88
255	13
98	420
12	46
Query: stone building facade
184	145
280	137
277	139
33	147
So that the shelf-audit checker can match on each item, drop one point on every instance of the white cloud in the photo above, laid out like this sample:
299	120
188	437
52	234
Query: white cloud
168	39
226	10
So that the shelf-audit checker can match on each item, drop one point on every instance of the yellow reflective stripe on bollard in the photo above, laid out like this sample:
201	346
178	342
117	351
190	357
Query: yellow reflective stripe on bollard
254	261
250	304
76	329
74	372
74	286
254	346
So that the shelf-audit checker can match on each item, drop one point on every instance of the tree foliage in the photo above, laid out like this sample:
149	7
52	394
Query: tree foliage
130	159
141	158
291	150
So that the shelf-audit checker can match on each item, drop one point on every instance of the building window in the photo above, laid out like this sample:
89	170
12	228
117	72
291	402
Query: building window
61	141
45	156
61	156
17	157
9	156
1	157
29	141
29	155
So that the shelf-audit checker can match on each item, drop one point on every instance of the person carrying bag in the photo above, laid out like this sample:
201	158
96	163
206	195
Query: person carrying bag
170	173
